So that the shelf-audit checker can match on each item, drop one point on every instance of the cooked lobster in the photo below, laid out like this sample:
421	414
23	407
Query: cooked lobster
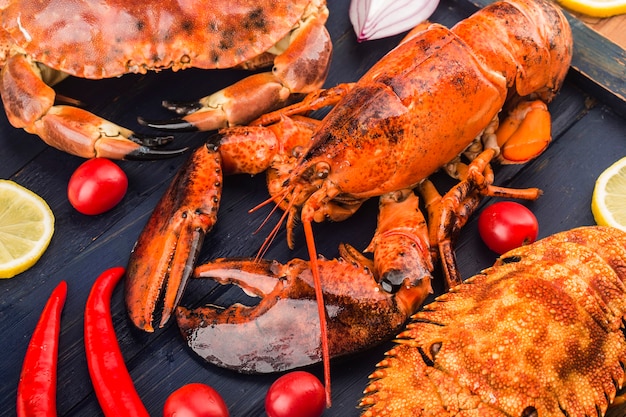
439	94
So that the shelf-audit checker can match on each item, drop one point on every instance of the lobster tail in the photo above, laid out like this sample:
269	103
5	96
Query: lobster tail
528	41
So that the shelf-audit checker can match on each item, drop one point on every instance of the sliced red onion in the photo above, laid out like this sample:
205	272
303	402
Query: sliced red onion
375	19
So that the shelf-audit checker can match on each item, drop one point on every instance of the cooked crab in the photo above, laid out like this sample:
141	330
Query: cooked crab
41	42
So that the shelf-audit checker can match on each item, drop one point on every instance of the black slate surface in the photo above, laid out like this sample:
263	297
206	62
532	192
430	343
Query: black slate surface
588	137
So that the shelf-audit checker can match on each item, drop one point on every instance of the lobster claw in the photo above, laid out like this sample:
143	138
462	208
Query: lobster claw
165	253
282	331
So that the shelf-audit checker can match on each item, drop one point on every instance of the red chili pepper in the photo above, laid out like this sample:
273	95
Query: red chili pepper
36	392
110	378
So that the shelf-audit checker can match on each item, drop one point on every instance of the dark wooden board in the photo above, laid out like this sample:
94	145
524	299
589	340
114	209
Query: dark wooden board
586	141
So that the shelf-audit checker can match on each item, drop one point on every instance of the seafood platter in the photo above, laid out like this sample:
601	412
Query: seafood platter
301	217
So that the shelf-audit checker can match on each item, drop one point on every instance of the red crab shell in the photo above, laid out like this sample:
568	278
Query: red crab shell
108	38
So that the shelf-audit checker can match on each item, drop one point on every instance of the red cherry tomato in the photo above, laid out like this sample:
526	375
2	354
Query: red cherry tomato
507	225
195	400
297	393
96	186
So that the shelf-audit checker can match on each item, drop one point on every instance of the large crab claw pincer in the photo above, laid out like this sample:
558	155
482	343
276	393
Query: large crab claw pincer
176	230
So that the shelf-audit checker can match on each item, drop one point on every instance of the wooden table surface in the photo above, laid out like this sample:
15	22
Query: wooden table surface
588	137
613	28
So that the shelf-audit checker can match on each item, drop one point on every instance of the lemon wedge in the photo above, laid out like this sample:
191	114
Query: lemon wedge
595	8
26	228
608	202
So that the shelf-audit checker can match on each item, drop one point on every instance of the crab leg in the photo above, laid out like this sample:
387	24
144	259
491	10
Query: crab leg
166	250
300	68
29	104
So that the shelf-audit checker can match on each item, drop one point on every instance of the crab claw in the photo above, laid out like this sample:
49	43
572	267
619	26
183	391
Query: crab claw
237	104
299	69
29	104
146	149
168	246
172	125
182	107
282	331
84	134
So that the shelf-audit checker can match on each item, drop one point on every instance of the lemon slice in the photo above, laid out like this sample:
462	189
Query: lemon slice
26	227
595	8
608	202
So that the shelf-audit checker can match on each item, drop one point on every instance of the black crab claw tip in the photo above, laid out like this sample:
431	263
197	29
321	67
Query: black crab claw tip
182	107
172	125
151	141
145	153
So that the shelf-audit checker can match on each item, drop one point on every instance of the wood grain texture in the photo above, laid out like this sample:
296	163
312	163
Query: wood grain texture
612	28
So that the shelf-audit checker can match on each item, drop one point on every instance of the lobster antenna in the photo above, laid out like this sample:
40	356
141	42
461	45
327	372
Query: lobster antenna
271	236
275	199
278	199
310	243
272	199
319	296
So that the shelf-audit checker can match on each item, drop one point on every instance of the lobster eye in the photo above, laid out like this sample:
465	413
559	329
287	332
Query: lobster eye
322	169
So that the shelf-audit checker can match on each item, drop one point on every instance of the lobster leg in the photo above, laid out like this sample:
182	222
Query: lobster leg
282	331
29	104
401	246
253	149
312	101
175	231
448	214
299	69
